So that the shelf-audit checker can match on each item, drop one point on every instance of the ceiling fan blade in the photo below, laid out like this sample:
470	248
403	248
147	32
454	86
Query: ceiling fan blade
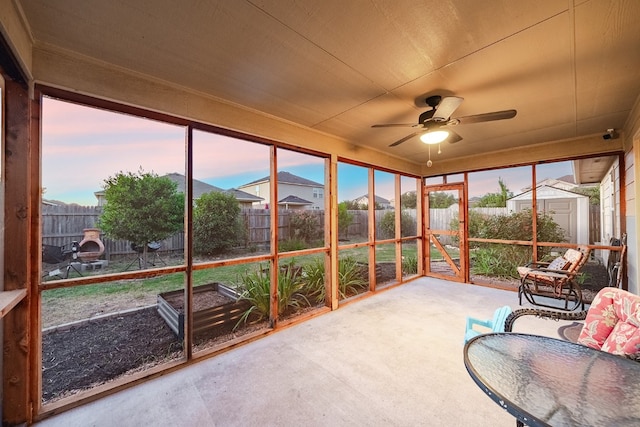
406	138
486	117
446	108
395	125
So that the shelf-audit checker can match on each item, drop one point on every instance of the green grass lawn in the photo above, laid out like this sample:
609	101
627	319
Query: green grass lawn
230	275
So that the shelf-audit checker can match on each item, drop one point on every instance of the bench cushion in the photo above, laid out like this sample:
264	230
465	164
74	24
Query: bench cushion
613	322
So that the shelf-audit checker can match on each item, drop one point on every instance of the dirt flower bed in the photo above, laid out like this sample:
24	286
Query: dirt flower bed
97	351
94	352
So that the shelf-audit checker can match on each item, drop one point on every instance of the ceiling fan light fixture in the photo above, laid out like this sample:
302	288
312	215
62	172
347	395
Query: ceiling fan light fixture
435	137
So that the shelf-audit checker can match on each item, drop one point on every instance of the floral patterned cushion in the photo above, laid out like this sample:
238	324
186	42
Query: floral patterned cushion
613	322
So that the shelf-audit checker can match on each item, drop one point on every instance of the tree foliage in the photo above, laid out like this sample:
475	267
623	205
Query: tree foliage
345	218
217	225
409	200
352	205
388	225
496	200
306	226
505	258
441	200
592	192
141	208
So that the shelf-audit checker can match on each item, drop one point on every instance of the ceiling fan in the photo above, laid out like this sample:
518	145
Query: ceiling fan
434	123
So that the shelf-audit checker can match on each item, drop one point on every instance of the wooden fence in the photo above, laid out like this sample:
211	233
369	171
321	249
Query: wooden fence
61	225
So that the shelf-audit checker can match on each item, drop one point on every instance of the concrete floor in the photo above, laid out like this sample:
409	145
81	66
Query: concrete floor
394	359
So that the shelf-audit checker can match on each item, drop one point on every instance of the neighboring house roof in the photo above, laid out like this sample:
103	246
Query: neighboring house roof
377	199
294	200
287	178
200	188
567	178
243	196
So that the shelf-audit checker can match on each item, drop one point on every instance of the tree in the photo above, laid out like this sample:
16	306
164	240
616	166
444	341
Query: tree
441	200
408	200
352	205
496	200
217	224
141	208
592	192
345	218
388	225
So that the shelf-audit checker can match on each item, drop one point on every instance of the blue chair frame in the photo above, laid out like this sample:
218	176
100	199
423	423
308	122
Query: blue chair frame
496	324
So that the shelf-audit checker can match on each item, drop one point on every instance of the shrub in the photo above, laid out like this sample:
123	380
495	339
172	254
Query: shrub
351	277
291	245
345	218
313	276
410	265
501	260
217	225
255	288
496	260
388	225
305	226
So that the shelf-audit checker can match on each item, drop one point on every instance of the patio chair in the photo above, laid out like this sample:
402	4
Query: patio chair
615	261
496	324
556	279
611	324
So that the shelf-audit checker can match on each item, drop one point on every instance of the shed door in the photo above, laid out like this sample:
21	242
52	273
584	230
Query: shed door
563	211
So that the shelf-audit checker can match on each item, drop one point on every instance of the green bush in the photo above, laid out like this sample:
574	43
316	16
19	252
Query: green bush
501	260
305	226
217	225
291	245
345	218
388	225
351	277
255	288
313	276
498	260
410	265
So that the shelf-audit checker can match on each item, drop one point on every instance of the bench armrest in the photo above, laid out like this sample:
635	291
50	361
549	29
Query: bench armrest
544	314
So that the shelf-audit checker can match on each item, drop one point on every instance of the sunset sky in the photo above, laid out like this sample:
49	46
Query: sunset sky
84	146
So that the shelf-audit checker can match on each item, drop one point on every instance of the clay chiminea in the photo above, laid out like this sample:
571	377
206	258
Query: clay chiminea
91	247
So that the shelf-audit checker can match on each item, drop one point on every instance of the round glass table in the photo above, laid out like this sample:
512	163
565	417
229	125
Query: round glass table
545	381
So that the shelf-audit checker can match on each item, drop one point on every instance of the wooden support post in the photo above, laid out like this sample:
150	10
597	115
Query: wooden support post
420	225
331	232
273	271
188	245
18	253
372	230
398	228
534	215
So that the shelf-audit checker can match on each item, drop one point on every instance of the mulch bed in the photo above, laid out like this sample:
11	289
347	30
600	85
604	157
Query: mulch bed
98	351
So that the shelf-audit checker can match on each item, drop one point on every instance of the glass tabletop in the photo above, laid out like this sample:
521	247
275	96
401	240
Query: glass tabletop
546	381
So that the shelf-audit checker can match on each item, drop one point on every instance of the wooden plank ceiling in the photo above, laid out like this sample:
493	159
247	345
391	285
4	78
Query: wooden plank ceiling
570	68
